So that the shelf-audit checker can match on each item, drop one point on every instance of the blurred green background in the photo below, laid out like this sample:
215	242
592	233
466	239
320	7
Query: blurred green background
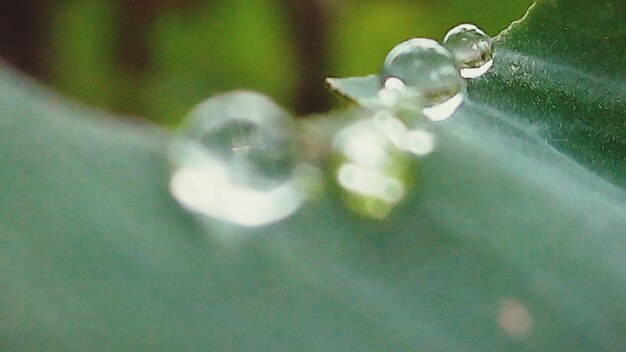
158	58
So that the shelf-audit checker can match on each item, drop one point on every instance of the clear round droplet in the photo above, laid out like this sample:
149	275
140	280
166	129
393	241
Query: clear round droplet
428	74
234	159
471	48
369	170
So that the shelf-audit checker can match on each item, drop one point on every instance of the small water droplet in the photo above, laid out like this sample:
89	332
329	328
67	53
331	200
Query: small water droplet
429	74
471	48
234	159
370	171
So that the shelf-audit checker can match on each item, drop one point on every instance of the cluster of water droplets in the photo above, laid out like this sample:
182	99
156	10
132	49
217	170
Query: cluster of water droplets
237	158
420	81
422	73
372	161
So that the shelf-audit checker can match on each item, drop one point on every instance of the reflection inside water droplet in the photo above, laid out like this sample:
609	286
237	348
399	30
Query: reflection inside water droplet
235	160
428	73
471	48
370	170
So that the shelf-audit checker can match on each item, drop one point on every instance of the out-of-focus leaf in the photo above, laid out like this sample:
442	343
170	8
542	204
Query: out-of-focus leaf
216	47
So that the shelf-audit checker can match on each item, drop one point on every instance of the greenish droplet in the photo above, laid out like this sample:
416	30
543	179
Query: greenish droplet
471	48
235	159
423	71
369	169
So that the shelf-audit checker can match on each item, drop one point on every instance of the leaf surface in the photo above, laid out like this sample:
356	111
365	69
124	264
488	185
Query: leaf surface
514	240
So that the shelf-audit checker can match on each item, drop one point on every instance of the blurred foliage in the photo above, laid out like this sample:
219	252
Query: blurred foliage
223	46
198	48
82	51
365	30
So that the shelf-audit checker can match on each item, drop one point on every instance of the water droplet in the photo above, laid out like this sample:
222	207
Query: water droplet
471	48
371	172
234	159
428	74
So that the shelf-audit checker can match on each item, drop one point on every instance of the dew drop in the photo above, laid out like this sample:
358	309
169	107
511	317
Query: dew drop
428	74
370	171
471	48
234	159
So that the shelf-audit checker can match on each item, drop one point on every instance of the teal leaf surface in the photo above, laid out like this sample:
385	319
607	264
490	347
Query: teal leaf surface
514	240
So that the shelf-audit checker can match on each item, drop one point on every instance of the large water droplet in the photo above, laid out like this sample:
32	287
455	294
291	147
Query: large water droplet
371	172
423	71
234	159
471	48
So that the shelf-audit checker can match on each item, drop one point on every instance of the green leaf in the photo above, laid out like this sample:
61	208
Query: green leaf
361	90
515	239
566	80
